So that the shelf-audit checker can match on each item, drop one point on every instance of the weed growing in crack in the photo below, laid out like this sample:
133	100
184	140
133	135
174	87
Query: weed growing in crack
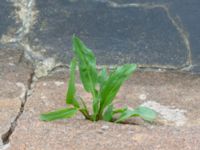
101	86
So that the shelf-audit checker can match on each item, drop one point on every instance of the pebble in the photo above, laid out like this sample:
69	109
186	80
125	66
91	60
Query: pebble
104	127
142	97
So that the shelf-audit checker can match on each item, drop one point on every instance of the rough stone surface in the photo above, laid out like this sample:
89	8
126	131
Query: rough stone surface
152	33
170	90
6	17
14	78
189	11
186	13
123	34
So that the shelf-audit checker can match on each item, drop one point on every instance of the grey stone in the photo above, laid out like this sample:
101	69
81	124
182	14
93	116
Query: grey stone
116	34
152	33
187	13
6	17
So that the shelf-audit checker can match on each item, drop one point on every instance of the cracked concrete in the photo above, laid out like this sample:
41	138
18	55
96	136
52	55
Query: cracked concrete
15	78
24	96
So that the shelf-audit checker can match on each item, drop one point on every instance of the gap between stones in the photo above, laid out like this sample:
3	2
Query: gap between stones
6	136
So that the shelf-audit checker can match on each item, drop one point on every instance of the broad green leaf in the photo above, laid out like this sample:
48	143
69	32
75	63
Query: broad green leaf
59	114
103	76
113	84
145	113
108	115
70	97
87	65
87	69
125	115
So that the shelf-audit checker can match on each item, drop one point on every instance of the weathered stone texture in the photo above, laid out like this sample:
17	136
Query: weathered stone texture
14	78
117	35
76	133
6	17
153	33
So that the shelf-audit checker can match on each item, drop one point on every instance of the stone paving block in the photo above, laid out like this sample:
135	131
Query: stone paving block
6	17
14	80
174	96
152	33
116	34
187	14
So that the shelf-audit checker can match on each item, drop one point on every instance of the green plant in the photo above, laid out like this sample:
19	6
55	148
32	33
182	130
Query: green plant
103	88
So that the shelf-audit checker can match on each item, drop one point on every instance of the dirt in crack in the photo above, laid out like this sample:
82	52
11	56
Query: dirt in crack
6	136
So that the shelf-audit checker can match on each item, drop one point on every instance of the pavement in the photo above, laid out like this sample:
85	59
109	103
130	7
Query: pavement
15	77
174	95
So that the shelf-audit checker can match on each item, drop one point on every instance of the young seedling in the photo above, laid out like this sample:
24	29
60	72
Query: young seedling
101	86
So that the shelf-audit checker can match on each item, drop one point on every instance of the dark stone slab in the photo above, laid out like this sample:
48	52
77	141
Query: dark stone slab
188	13
143	34
6	16
117	35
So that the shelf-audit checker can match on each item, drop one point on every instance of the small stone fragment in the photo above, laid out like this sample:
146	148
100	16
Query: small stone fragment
105	127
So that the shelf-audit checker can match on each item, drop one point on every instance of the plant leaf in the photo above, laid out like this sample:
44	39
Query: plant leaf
125	115
70	97
87	69
59	114
108	115
113	84
120	110
87	64
95	106
103	76
84	110
145	113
